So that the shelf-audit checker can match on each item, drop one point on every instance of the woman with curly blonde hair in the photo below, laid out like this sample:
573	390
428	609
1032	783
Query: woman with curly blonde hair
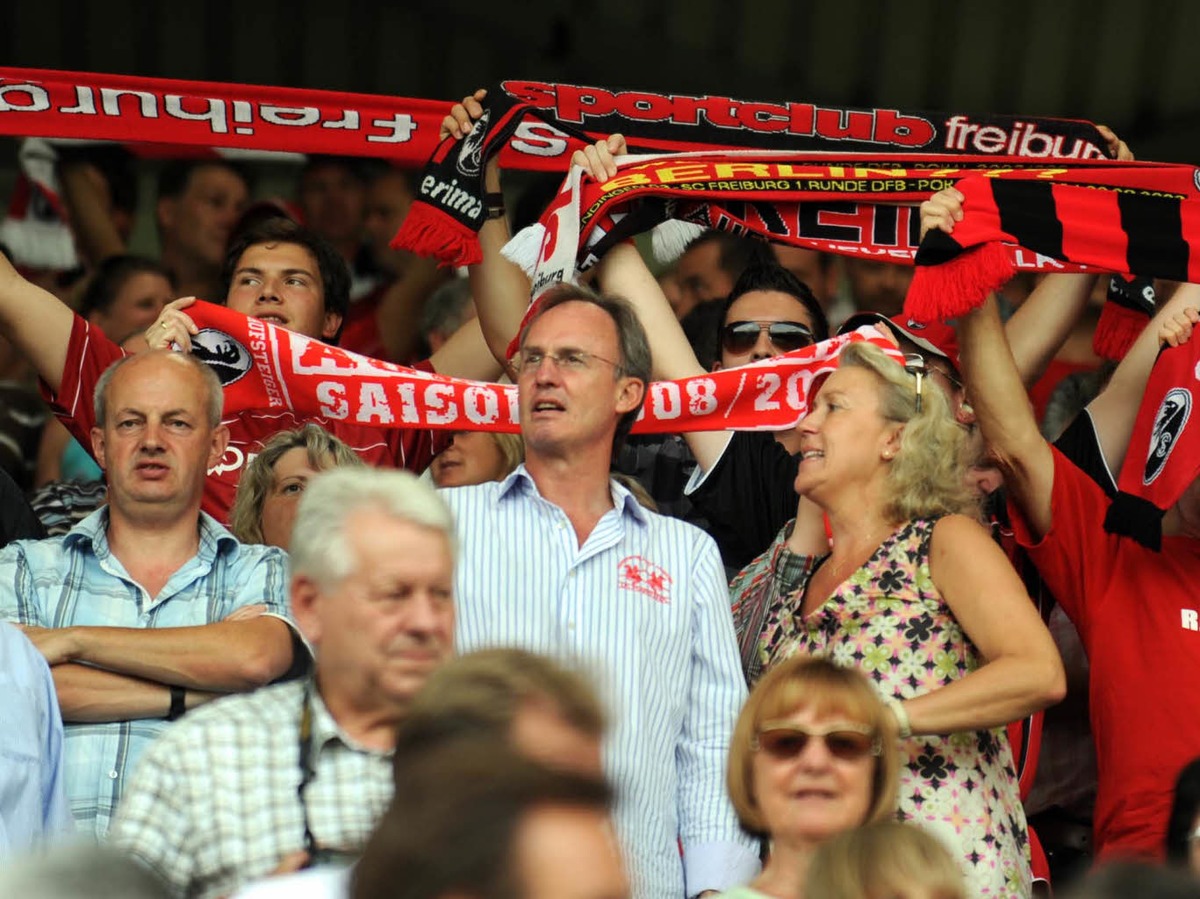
915	593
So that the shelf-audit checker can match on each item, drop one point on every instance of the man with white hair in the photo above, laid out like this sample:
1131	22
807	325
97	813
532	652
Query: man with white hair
297	774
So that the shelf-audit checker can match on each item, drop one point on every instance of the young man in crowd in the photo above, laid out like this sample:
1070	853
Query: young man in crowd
277	272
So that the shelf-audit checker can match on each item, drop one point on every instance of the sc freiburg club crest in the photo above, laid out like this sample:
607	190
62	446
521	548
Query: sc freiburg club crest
220	352
1169	422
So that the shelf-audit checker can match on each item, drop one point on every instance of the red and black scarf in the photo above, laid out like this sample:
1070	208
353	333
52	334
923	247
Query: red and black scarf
450	202
1140	218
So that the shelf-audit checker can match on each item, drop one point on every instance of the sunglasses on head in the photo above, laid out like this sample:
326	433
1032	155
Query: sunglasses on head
848	742
740	337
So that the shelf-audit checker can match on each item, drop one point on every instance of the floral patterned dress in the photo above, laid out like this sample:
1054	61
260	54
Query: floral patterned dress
888	621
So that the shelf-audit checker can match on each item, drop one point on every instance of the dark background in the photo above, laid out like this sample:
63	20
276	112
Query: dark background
1128	64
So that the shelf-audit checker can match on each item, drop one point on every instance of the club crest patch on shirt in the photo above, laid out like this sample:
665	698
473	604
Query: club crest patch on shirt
642	576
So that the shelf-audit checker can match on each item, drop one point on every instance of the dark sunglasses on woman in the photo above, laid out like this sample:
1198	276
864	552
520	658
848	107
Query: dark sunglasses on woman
848	742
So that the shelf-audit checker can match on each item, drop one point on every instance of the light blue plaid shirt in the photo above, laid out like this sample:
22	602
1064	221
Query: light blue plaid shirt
75	580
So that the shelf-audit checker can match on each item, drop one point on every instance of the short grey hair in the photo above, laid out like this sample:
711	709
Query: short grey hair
212	386
320	547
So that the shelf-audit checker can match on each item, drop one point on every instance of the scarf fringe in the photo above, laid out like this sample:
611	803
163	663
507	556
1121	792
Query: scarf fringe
953	288
524	247
1118	328
1135	517
427	231
670	239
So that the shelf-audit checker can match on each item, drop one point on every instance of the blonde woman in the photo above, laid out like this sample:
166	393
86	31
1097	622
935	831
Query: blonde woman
885	860
916	595
272	484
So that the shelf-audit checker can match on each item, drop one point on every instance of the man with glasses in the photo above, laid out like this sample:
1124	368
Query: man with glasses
559	559
297	774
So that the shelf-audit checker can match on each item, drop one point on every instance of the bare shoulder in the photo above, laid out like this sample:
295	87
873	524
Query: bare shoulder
951	528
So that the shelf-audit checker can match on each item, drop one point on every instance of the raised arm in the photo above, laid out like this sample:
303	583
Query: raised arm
1045	320
399	312
36	322
500	288
1004	415
89	203
1114	411
623	272
1039	328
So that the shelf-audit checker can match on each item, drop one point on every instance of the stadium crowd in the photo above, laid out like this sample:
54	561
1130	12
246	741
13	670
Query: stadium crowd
890	651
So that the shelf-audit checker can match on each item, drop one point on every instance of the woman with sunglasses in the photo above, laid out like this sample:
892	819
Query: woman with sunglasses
814	754
915	593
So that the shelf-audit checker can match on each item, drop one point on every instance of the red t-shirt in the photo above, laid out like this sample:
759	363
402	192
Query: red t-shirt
360	331
1136	612
90	353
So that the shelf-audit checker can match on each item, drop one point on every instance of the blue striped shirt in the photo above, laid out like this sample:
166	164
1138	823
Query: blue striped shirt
644	607
33	808
76	580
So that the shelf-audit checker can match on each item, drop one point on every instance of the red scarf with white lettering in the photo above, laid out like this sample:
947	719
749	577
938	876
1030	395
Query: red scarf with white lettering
267	368
769	194
536	126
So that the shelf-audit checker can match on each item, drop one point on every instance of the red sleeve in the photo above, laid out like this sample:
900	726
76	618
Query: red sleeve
89	353
1076	555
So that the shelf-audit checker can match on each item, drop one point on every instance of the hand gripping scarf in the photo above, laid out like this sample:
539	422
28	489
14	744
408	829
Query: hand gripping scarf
773	195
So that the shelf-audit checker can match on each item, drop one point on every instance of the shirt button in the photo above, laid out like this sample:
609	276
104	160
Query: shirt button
571	625
112	775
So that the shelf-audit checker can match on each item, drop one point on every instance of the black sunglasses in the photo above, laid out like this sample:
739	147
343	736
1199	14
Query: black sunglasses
740	337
